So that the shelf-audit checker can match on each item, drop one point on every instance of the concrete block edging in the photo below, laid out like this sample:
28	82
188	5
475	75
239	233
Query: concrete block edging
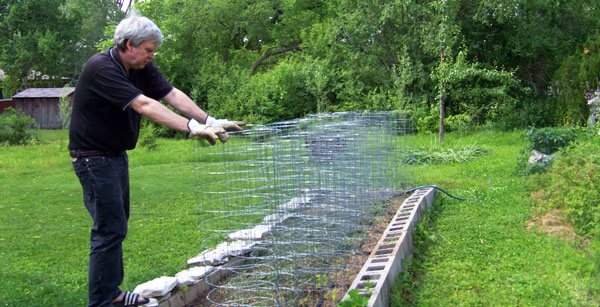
379	272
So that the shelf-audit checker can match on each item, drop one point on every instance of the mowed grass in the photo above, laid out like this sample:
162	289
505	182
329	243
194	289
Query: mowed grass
44	226
476	252
480	252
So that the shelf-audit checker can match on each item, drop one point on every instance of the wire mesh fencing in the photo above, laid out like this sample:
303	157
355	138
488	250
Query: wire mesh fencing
283	207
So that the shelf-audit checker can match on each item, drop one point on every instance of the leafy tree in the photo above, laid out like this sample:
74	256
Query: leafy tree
530	37
578	74
474	60
481	93
50	38
38	39
95	17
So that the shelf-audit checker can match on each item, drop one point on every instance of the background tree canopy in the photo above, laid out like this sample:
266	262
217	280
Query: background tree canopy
507	63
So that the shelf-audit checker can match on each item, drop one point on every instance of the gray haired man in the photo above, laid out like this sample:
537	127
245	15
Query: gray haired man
115	89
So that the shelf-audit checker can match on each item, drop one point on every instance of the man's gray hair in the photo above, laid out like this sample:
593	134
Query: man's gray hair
137	29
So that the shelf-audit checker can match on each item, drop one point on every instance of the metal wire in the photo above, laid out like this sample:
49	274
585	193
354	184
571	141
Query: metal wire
285	205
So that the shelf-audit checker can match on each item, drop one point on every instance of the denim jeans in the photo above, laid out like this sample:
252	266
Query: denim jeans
105	182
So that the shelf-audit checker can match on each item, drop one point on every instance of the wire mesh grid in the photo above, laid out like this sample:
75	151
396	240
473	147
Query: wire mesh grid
285	205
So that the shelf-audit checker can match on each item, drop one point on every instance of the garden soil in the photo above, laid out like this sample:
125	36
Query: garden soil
343	281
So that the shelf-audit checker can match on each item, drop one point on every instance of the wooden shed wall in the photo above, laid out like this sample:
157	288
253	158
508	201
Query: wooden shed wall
45	111
5	103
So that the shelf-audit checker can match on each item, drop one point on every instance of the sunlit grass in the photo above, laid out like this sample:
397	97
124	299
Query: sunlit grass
44	237
475	252
479	252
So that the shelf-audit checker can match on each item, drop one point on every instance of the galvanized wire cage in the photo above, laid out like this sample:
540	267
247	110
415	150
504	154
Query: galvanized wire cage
285	205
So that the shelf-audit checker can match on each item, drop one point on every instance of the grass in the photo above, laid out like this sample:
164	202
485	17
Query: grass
44	228
480	252
475	252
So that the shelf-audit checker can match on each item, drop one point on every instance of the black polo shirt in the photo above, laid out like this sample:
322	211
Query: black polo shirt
101	118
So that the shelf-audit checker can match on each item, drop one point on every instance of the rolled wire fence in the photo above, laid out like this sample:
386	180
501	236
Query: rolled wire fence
283	207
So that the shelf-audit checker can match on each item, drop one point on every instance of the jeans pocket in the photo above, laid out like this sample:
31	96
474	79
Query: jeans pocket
96	162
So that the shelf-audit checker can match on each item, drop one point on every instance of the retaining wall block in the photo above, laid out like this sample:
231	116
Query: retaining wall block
395	245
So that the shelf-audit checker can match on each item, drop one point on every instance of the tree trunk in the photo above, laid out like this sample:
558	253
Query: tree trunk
442	107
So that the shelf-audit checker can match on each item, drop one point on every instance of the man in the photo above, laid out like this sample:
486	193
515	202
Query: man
115	89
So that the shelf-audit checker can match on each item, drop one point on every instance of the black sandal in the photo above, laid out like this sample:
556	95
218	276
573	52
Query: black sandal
131	299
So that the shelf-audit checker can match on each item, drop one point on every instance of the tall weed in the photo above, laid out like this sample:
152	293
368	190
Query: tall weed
437	155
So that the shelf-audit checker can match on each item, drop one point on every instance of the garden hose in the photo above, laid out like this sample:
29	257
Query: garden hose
438	188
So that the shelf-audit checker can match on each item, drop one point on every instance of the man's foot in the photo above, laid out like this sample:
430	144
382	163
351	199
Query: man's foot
129	299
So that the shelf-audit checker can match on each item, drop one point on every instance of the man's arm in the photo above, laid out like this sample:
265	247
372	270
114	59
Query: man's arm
158	113
184	104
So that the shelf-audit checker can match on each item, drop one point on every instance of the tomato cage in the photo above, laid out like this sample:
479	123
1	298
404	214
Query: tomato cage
283	207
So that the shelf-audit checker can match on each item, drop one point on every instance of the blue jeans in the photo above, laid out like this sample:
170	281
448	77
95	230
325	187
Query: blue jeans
105	182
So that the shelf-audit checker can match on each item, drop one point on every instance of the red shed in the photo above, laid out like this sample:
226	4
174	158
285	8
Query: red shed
43	105
5	103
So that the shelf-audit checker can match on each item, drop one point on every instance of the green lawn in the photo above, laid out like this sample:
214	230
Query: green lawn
44	237
475	252
480	252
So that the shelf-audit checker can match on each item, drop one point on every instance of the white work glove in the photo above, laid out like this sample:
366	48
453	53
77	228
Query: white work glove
225	124
211	134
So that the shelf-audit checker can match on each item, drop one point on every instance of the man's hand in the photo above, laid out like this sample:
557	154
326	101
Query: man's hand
225	124
211	134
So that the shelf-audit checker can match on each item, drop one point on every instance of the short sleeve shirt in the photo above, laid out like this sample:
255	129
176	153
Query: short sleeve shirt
101	118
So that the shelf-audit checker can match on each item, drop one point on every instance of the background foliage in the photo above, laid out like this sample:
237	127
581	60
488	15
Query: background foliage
506	63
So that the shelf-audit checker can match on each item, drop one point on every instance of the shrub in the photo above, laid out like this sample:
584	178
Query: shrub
284	92
572	185
14	126
430	123
65	111
545	140
148	136
549	140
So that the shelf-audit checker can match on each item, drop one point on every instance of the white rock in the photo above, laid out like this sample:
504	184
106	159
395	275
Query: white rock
295	203
255	233
199	272
184	279
156	287
538	157
190	276
277	218
219	254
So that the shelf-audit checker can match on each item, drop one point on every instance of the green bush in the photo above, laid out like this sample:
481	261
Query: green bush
549	140
545	140
65	111
14	125
284	92
572	184
437	155
428	121
148	137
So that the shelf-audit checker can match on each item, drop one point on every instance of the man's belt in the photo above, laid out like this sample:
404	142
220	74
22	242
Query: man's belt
91	153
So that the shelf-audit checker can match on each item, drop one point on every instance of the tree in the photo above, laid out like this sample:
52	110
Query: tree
95	17
529	37
50	39
38	38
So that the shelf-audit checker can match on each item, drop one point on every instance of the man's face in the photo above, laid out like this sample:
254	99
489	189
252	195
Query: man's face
138	57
